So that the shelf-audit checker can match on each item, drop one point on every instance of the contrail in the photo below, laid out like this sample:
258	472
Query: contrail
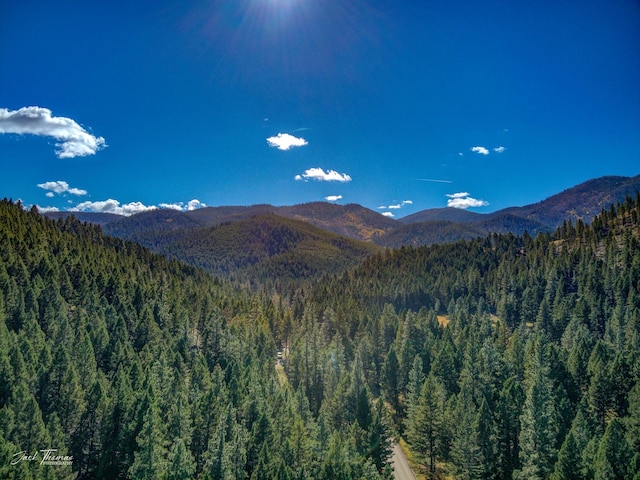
433	180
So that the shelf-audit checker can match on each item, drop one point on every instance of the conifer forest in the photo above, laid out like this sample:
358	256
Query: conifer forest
498	357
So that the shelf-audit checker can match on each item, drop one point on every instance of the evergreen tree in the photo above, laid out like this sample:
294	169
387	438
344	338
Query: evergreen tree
613	459
181	465
150	458
466	451
568	465
424	423
539	429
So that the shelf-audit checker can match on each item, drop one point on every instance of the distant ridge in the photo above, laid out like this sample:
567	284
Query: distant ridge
438	225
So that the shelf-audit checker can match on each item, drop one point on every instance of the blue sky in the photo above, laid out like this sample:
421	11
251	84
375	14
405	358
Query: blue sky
397	106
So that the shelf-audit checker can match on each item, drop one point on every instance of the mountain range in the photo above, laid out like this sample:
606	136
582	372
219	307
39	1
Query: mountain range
308	239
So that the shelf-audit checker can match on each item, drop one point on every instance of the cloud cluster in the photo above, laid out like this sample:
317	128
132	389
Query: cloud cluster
480	150
191	205
333	198
127	209
284	141
395	206
112	206
484	150
73	140
60	187
463	200
320	175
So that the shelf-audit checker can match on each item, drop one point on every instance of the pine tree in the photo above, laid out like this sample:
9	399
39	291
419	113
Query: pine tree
390	379
181	465
424	423
613	459
150	457
539	429
510	402
466	451
569	465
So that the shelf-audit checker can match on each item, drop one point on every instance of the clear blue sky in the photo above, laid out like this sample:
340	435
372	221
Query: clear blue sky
120	106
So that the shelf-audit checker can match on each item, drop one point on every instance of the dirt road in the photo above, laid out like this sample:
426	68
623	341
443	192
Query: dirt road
401	468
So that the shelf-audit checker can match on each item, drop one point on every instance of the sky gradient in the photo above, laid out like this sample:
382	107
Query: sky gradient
397	106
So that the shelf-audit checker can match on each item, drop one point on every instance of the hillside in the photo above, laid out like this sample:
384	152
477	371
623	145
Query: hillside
356	222
507	356
132	366
583	201
429	233
497	357
247	250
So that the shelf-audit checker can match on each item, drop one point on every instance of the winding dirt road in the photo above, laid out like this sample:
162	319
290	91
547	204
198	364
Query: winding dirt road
401	468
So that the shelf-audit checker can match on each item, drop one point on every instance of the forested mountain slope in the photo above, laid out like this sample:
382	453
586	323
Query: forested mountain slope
134	366
253	250
440	225
537	371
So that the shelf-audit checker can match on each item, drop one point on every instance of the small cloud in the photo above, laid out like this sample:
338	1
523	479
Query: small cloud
47	209
320	175
180	206
460	154
396	206
499	149
112	206
480	150
333	198
387	214
284	141
74	141
60	187
195	204
463	200
172	206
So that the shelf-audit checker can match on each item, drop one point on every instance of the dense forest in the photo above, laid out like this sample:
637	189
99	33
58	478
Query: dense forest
139	367
499	357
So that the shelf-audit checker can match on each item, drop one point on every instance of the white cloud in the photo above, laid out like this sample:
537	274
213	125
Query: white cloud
112	206
180	206
74	141
322	176
480	150
284	141
499	149
333	198
59	187
458	195
195	204
396	206
47	209
387	214
172	206
463	200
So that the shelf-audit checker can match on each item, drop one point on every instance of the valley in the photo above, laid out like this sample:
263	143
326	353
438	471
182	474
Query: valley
154	358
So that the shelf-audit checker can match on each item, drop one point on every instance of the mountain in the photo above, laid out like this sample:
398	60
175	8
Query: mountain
252	249
447	214
428	233
357	222
128	365
351	220
582	202
97	218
